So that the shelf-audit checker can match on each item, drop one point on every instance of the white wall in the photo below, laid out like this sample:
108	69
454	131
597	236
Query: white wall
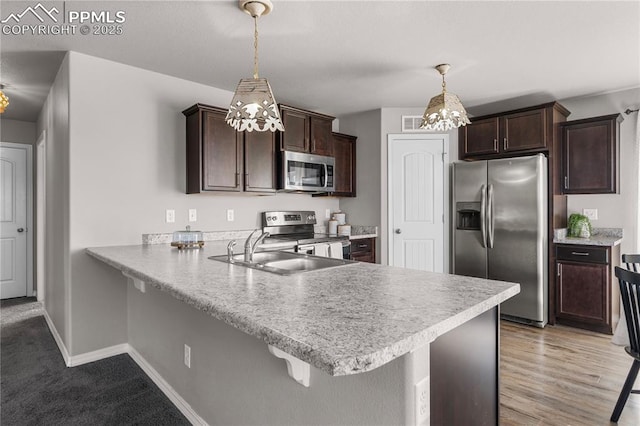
370	208
127	165
614	210
230	368
366	207
17	131
54	118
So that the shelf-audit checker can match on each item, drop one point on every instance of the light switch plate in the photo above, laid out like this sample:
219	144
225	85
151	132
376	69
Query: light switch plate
193	215
170	216
230	215
592	214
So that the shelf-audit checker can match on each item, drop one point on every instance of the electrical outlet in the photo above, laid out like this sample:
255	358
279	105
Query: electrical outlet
170	216
422	402
187	355
592	214
230	215
327	214
193	215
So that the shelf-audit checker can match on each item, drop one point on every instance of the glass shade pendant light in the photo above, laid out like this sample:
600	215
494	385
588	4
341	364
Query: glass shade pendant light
253	107
445	111
4	101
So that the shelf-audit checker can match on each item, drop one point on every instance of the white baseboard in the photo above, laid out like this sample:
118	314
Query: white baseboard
57	338
88	357
166	388
73	361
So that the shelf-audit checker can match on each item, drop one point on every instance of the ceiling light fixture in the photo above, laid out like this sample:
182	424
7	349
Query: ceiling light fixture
253	106
4	101
445	111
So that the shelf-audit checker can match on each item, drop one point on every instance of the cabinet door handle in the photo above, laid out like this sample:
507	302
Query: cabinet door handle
504	144
579	253
495	145
566	182
559	269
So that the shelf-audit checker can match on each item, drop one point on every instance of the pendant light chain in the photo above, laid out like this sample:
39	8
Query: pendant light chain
444	84
255	48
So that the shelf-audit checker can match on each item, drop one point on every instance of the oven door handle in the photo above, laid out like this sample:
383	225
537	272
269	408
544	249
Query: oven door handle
306	249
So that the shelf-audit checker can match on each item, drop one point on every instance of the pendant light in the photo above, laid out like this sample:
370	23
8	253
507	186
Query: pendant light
445	111
4	101
253	106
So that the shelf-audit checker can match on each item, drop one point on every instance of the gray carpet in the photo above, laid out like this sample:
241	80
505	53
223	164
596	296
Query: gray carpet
36	388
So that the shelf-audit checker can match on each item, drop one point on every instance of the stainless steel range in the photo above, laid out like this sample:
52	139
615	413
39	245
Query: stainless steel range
299	226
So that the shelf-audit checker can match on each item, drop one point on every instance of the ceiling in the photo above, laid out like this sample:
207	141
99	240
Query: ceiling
341	57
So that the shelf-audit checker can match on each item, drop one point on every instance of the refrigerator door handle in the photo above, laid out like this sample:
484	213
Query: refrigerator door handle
483	215
490	224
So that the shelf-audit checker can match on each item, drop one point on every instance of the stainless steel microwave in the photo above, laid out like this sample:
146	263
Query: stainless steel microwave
306	172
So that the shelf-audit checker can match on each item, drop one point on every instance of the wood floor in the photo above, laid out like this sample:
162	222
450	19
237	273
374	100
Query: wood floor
562	376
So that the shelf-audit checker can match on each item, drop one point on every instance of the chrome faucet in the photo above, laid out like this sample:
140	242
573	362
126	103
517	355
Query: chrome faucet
249	249
230	246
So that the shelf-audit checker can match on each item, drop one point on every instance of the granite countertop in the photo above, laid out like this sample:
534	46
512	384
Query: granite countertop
345	320
607	237
360	231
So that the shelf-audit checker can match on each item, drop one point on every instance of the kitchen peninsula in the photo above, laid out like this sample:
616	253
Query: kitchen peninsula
363	343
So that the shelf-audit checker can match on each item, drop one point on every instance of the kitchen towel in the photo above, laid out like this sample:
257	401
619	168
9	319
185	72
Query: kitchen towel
321	249
335	250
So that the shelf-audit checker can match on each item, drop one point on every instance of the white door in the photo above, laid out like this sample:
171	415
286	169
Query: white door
13	222
416	197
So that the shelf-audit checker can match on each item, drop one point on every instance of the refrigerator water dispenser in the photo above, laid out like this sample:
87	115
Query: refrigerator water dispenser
468	216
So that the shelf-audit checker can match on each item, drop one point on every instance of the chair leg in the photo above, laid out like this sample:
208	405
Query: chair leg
626	390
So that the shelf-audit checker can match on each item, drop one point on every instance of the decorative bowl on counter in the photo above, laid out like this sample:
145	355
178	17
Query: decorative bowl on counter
187	239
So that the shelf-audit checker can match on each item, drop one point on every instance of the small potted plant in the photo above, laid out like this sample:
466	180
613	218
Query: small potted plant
579	226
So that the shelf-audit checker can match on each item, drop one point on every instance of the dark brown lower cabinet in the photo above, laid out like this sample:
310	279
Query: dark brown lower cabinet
587	293
465	373
364	250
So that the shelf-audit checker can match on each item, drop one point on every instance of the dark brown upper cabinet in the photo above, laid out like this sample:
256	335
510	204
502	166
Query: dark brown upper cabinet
221	159
321	137
344	151
259	162
519	132
590	155
480	137
305	131
296	130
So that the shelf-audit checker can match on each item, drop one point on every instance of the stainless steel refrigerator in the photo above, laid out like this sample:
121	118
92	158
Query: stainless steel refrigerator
500	229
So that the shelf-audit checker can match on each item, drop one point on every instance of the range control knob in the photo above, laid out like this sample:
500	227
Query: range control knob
311	217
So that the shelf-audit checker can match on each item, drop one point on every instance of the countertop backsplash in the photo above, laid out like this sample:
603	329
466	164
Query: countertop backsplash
362	231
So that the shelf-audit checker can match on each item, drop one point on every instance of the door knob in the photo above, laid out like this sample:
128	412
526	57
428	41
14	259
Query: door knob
398	231
20	229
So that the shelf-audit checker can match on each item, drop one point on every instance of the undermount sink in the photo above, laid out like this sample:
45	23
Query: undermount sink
284	263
